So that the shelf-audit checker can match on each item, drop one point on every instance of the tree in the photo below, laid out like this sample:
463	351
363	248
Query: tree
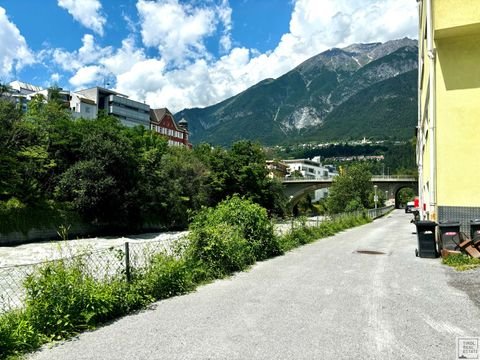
242	171
10	117
350	190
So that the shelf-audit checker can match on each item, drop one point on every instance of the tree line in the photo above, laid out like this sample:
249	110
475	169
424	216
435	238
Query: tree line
108	174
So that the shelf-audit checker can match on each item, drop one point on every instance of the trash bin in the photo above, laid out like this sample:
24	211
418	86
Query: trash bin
449	234
427	247
475	229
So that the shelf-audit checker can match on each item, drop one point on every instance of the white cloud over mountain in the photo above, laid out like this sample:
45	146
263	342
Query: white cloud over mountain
314	27
180	72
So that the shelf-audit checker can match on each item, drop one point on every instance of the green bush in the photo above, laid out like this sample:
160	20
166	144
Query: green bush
17	334
167	276
249	218
61	299
218	250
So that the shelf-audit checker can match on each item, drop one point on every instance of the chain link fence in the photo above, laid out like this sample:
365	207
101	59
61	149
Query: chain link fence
119	260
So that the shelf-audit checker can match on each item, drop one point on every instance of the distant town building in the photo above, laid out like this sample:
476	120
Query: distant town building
308	169
449	110
277	169
163	123
311	169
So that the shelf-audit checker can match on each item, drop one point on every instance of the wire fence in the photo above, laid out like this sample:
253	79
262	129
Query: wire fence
121	260
102	264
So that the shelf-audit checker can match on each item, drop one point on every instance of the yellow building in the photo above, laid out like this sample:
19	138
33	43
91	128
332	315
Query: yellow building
448	133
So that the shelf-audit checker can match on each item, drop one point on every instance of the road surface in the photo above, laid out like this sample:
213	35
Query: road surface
325	300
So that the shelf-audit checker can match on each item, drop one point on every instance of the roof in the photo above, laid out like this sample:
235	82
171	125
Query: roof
158	114
19	86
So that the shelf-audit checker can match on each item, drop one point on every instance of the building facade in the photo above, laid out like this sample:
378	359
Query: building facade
449	110
130	112
163	123
83	107
88	103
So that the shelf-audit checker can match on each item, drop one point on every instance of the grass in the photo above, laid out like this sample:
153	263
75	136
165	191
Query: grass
63	298
461	262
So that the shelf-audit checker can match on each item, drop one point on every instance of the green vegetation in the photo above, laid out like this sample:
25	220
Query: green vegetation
303	234
399	158
64	298
405	195
352	190
231	237
55	170
461	262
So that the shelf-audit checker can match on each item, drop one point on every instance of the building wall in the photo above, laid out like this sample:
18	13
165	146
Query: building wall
166	126
130	112
455	17
458	125
455	105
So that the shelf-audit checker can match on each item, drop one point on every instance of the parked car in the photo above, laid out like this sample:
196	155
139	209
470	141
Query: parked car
409	207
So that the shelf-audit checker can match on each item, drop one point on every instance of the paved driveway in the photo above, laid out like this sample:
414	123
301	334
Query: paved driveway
321	301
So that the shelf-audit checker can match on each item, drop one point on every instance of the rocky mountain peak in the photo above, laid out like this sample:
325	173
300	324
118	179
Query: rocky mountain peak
334	94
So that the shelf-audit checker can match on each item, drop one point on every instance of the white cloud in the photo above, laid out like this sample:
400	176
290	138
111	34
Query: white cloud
86	12
224	12
178	30
89	53
315	26
185	75
55	78
87	76
124	58
14	52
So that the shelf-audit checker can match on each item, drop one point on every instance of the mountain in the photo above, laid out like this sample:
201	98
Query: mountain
363	90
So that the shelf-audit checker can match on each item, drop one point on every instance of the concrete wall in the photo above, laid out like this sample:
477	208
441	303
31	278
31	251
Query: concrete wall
17	238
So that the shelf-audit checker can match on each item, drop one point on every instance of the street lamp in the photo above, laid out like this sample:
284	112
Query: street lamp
375	198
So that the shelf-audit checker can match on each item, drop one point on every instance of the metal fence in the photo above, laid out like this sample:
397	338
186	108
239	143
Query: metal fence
103	264
120	260
371	213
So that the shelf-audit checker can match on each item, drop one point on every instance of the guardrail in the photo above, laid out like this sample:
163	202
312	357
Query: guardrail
374	178
394	177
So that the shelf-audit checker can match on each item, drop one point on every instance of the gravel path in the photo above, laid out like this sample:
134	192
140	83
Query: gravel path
321	301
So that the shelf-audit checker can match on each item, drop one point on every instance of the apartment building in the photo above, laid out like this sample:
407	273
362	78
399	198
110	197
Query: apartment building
448	145
129	112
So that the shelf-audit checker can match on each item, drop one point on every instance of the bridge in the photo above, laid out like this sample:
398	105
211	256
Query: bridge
295	189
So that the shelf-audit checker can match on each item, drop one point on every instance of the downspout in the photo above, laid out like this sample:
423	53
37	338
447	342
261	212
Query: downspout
419	116
432	112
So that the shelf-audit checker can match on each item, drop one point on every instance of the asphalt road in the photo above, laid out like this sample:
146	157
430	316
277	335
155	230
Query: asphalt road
321	301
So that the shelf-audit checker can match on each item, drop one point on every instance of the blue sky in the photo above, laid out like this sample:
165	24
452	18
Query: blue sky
183	53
